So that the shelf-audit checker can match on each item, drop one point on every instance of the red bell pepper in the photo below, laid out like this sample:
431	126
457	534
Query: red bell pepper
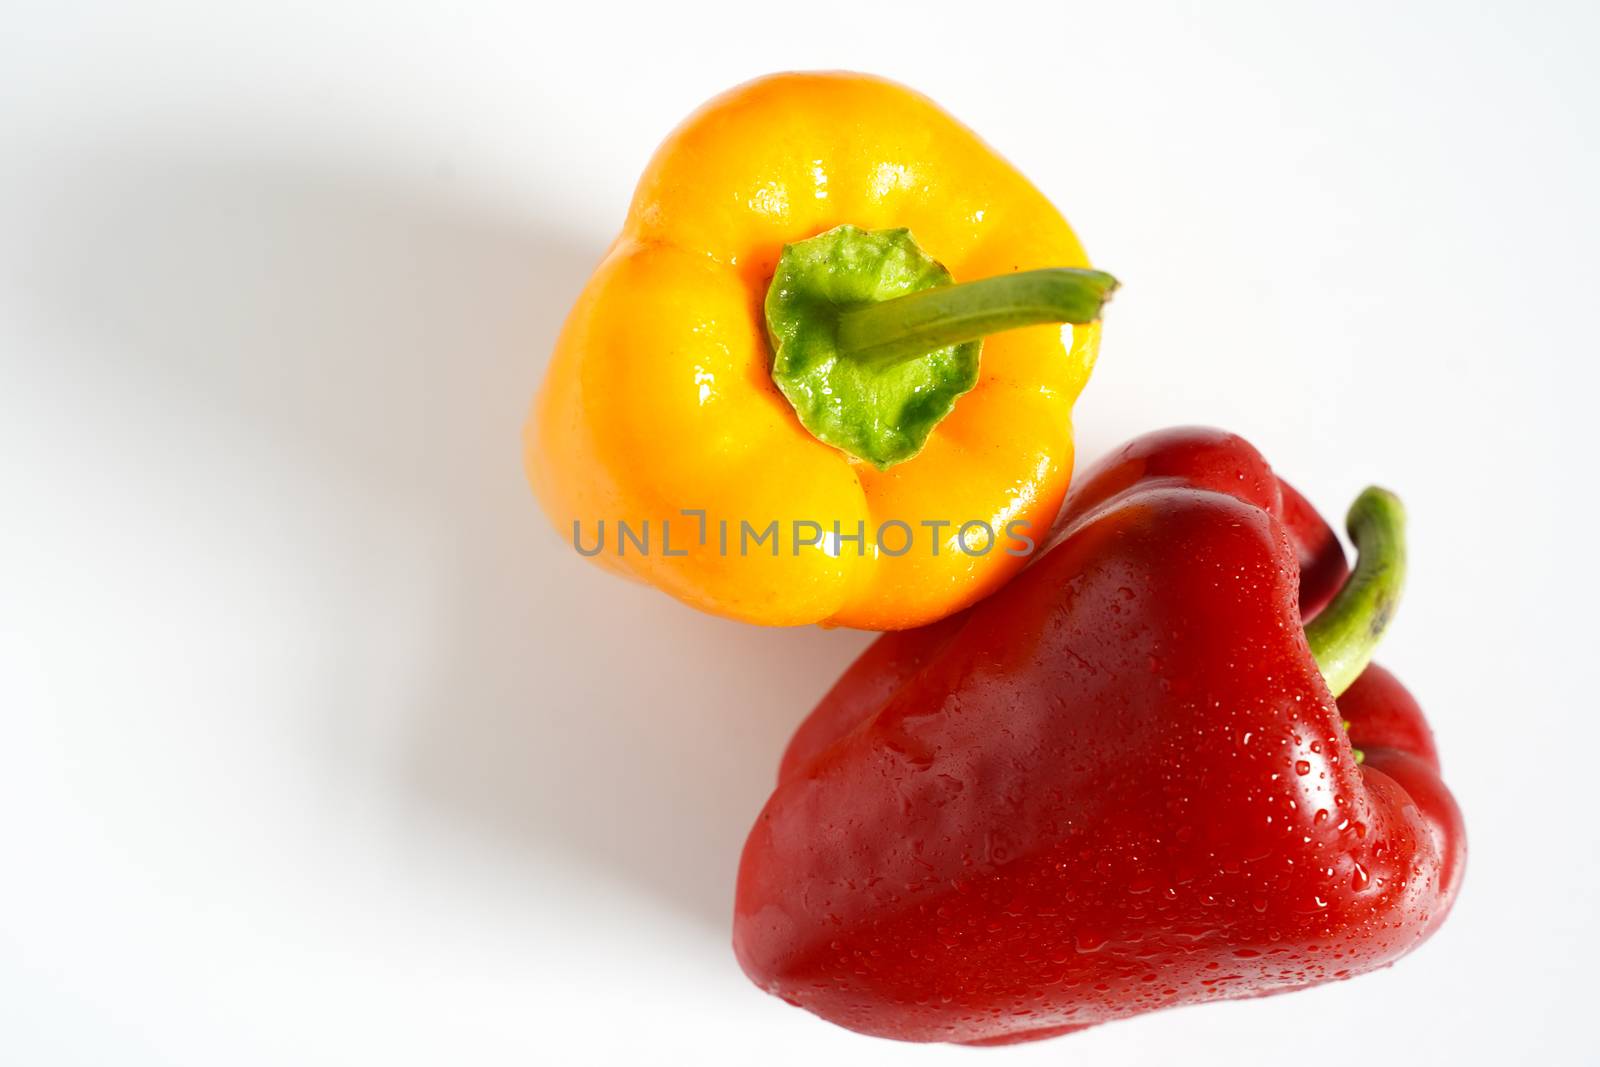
1121	783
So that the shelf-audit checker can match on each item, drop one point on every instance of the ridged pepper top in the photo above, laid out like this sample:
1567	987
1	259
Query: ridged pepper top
660	398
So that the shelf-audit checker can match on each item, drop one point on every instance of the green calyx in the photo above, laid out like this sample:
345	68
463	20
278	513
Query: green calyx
1346	633
873	342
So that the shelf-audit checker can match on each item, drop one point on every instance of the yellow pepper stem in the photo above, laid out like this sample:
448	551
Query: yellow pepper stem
873	342
917	323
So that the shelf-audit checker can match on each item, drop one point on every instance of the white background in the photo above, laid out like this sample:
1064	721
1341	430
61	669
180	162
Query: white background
318	747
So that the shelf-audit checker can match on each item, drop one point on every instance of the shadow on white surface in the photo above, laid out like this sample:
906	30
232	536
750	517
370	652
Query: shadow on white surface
347	358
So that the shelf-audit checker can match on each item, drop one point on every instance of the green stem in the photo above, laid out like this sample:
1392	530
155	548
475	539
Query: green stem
873	343
913	325
1344	635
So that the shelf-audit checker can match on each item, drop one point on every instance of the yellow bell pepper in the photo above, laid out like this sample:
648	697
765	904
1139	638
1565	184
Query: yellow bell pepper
774	342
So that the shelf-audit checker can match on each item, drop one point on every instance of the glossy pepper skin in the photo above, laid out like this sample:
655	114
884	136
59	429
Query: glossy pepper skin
1120	784
659	397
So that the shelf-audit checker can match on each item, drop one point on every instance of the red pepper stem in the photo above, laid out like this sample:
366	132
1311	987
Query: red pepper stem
1346	633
